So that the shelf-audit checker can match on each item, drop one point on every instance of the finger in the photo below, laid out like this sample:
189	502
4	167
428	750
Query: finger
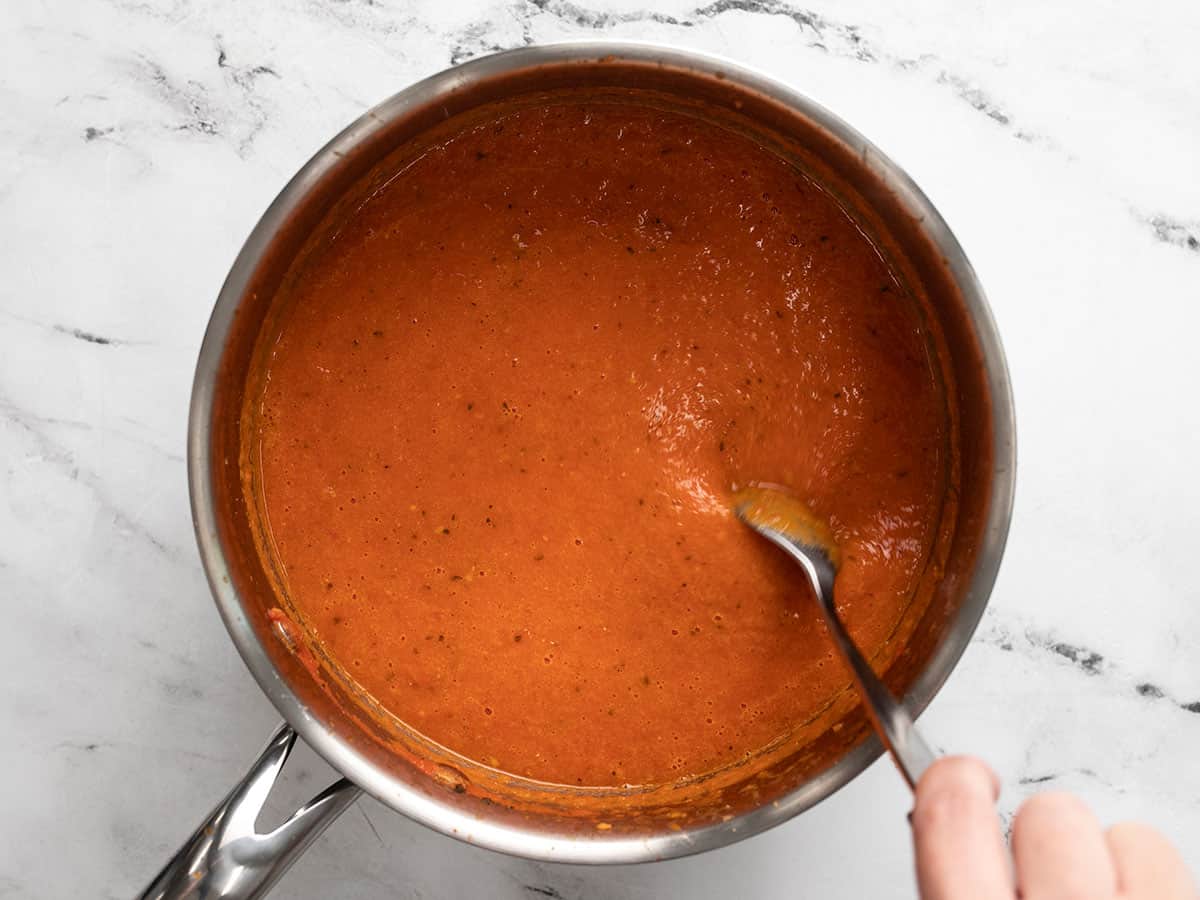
1060	851
1148	867
960	851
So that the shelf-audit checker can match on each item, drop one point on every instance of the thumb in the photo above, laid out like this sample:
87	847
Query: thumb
959	848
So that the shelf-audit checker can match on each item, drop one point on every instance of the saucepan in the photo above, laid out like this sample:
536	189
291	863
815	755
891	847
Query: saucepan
226	857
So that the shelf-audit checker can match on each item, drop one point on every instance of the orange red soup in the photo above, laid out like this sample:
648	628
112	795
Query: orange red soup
505	407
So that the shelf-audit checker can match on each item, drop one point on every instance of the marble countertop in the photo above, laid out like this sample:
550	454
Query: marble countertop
141	139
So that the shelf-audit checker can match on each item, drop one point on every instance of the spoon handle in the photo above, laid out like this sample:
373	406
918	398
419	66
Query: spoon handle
892	721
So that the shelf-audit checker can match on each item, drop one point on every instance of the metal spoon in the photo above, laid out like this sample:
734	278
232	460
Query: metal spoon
788	523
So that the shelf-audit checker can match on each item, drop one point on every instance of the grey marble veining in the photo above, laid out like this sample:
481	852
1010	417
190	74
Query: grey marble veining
139	143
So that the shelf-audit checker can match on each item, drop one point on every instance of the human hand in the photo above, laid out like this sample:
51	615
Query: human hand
1059	850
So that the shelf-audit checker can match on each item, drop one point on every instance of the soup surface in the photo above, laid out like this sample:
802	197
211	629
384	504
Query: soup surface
505	403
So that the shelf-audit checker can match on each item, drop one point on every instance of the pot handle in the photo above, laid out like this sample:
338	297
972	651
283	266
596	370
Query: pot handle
226	858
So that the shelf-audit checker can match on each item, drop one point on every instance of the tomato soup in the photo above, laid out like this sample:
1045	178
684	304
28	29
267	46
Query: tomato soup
503	405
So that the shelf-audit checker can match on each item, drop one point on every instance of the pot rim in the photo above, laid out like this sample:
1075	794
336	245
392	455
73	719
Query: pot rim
507	837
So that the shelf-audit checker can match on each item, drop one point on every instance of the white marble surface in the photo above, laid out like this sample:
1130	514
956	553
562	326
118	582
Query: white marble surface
141	139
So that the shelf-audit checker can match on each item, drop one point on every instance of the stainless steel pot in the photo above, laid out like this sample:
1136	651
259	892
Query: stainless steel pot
225	857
